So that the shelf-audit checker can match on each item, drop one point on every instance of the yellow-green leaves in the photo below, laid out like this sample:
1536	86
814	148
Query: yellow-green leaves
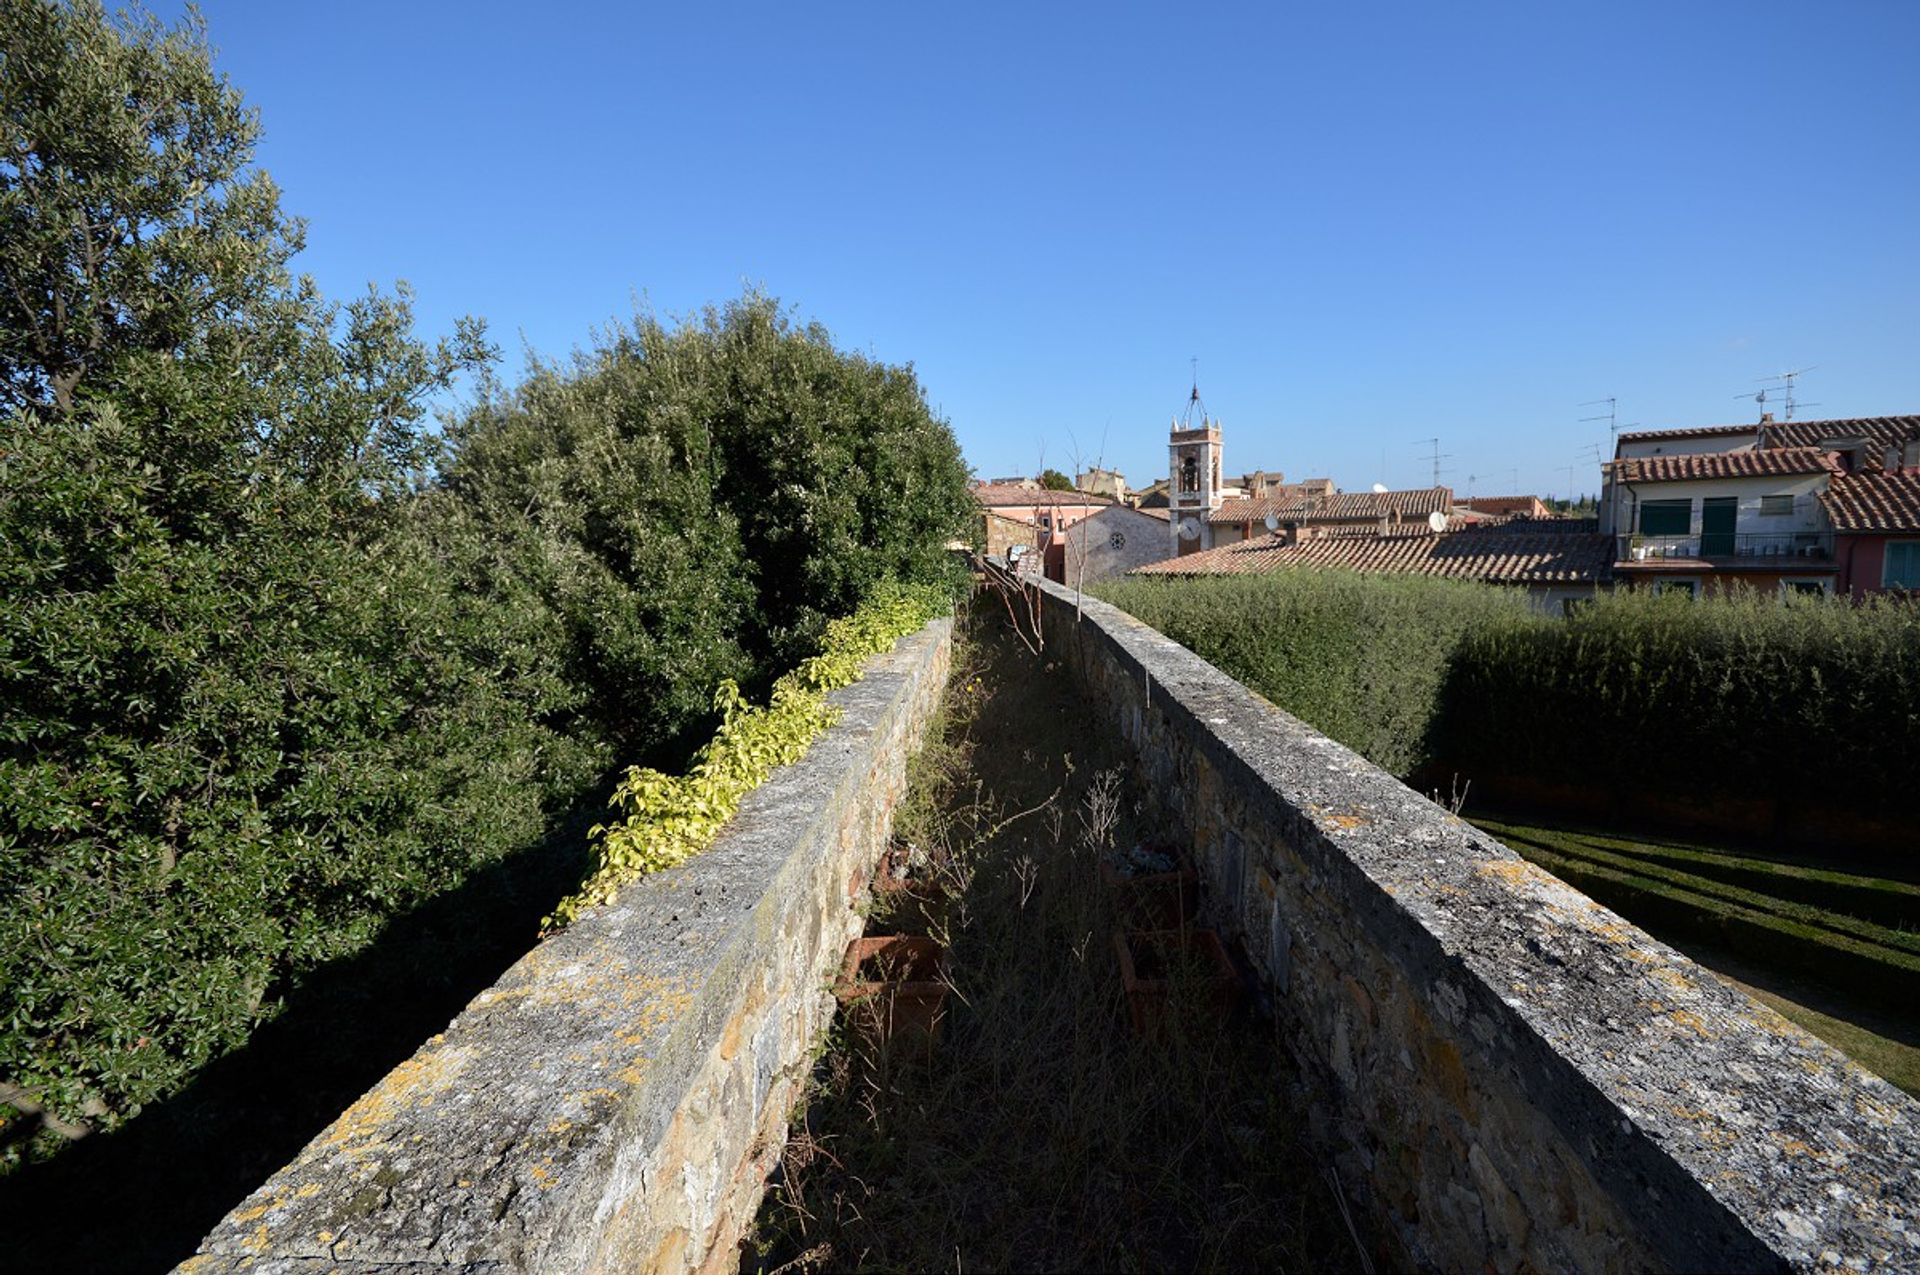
668	819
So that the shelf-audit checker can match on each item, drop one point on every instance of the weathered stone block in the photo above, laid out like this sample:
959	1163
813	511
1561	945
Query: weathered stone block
1535	1082
613	1102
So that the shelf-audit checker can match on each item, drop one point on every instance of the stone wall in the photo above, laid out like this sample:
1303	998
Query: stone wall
615	1101
1091	554
1505	1072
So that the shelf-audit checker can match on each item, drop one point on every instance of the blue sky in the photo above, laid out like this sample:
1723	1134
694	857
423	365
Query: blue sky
1371	224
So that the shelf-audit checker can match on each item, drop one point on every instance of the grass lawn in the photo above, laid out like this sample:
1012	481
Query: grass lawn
1835	951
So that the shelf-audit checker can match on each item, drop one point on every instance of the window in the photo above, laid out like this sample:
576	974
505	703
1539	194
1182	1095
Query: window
1682	588
1776	506
1903	565
1666	517
1190	474
1118	539
1818	588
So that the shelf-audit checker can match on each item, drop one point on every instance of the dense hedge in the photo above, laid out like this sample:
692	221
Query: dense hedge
1364	659
1806	699
698	501
1749	697
278	664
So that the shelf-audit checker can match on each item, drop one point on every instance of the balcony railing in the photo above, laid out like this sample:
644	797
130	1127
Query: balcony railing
1756	549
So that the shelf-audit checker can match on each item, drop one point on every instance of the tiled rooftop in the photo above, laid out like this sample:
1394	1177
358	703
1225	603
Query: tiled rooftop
1684	466
1881	431
1503	504
1008	494
1874	502
1511	553
1346	506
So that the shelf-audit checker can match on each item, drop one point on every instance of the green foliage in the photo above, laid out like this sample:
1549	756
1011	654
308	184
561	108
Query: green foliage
260	697
1748	696
278	664
699	499
670	818
1364	659
1054	480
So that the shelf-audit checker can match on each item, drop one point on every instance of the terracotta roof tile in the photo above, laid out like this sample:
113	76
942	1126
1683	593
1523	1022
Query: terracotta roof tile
1683	466
1883	431
1009	494
1345	506
1874	502
1512	553
1705	431
1505	504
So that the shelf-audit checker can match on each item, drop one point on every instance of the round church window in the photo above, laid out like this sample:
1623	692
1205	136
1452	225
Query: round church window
1118	540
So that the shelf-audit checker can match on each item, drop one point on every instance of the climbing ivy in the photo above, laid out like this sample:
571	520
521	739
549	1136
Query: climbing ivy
670	818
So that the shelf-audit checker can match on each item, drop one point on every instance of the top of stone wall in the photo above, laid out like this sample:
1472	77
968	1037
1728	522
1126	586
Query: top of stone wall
504	1142
1812	1155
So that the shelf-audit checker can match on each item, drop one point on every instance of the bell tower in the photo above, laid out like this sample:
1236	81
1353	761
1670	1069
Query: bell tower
1193	476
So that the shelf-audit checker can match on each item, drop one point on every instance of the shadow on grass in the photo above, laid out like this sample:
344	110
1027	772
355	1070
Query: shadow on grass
141	1197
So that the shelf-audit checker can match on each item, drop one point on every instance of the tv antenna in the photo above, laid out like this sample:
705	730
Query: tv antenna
1786	380
1436	457
1785	389
1613	425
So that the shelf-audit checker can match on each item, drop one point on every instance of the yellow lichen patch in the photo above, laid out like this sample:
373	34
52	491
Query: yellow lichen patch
1344	822
307	1189
542	1175
560	1126
1790	1146
325	1237
1615	932
361	1128
1691	1021
1673	978
1512	873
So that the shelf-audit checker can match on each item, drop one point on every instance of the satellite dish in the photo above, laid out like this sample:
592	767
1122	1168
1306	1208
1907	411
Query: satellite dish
1273	522
1436	521
1380	488
1189	529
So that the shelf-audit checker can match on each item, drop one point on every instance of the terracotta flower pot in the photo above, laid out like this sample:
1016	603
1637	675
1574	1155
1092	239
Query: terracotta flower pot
1164	971
894	987
1154	900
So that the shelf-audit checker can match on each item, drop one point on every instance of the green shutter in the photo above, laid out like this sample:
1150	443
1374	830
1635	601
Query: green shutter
1903	564
1666	517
